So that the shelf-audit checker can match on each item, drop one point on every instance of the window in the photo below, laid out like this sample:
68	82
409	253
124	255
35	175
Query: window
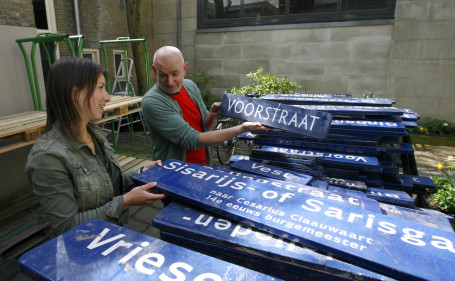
119	64
91	54
230	13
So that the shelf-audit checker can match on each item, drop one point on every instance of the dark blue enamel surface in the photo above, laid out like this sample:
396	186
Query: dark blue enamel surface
255	245
310	123
329	100
384	244
270	171
403	148
417	216
317	190
395	197
420	182
354	110
87	252
338	159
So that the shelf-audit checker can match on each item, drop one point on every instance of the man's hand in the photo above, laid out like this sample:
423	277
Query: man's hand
215	109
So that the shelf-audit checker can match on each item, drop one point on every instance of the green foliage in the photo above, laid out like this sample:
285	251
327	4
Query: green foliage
434	127
369	95
444	194
204	81
266	84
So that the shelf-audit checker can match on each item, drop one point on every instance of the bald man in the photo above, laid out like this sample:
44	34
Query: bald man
180	125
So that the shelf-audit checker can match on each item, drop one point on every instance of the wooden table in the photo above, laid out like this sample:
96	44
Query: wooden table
27	127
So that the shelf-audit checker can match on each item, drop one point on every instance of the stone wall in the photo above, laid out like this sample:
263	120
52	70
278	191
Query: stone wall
422	60
411	61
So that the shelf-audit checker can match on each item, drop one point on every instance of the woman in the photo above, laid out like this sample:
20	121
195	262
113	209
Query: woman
72	167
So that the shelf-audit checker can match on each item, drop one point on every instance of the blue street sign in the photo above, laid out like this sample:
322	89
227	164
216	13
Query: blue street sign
269	249
312	190
354	110
98	250
403	148
329	100
310	123
270	171
419	182
378	242
312	95
417	216
369	163
394	197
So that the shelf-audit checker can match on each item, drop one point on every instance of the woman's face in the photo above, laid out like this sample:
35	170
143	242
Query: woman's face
95	108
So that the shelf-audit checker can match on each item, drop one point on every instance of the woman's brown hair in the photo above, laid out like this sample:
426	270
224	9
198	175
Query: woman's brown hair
67	78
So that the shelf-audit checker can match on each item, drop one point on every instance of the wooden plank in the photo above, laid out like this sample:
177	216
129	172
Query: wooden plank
126	101
132	163
15	146
20	120
144	162
19	128
24	240
112	117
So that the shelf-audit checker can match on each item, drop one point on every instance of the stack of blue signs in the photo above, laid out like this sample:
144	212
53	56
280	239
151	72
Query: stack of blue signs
365	128
352	237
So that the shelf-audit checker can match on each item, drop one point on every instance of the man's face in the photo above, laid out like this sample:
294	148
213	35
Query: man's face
170	72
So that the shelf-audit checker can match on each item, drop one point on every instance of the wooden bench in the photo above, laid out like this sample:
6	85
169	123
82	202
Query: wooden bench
120	106
26	127
130	163
23	228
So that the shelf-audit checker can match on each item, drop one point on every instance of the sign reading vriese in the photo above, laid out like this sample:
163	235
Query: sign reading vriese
98	250
310	123
392	246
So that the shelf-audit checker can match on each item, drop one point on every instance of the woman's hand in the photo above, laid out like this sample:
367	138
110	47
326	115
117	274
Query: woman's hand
141	195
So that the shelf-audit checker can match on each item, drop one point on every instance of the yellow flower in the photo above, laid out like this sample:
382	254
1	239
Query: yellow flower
440	167
421	129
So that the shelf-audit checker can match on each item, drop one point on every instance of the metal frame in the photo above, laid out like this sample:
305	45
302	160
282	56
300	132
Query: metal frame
42	39
123	41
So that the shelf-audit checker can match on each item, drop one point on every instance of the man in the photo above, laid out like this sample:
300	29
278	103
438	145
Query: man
180	125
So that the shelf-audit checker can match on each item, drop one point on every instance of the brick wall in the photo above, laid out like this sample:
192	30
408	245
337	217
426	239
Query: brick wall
17	13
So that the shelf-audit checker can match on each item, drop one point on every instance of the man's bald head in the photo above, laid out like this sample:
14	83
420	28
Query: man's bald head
167	52
170	69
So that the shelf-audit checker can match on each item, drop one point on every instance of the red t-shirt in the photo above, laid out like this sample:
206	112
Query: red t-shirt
191	115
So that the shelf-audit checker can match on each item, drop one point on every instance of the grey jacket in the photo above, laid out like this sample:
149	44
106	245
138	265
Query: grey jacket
72	184
171	134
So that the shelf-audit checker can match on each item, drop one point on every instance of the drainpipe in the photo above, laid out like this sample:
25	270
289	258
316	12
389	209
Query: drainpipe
76	17
179	24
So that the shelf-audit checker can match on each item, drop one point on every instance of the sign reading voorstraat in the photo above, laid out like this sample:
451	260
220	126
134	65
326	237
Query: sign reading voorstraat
306	122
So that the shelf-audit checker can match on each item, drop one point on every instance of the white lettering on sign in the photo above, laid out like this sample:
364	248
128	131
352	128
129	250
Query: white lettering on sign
274	114
291	151
150	262
408	235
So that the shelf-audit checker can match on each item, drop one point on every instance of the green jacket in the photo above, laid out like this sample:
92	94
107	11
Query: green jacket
72	184
171	134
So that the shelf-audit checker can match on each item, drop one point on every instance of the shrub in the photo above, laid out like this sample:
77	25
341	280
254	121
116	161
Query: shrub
434	127
266	84
444	194
204	81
